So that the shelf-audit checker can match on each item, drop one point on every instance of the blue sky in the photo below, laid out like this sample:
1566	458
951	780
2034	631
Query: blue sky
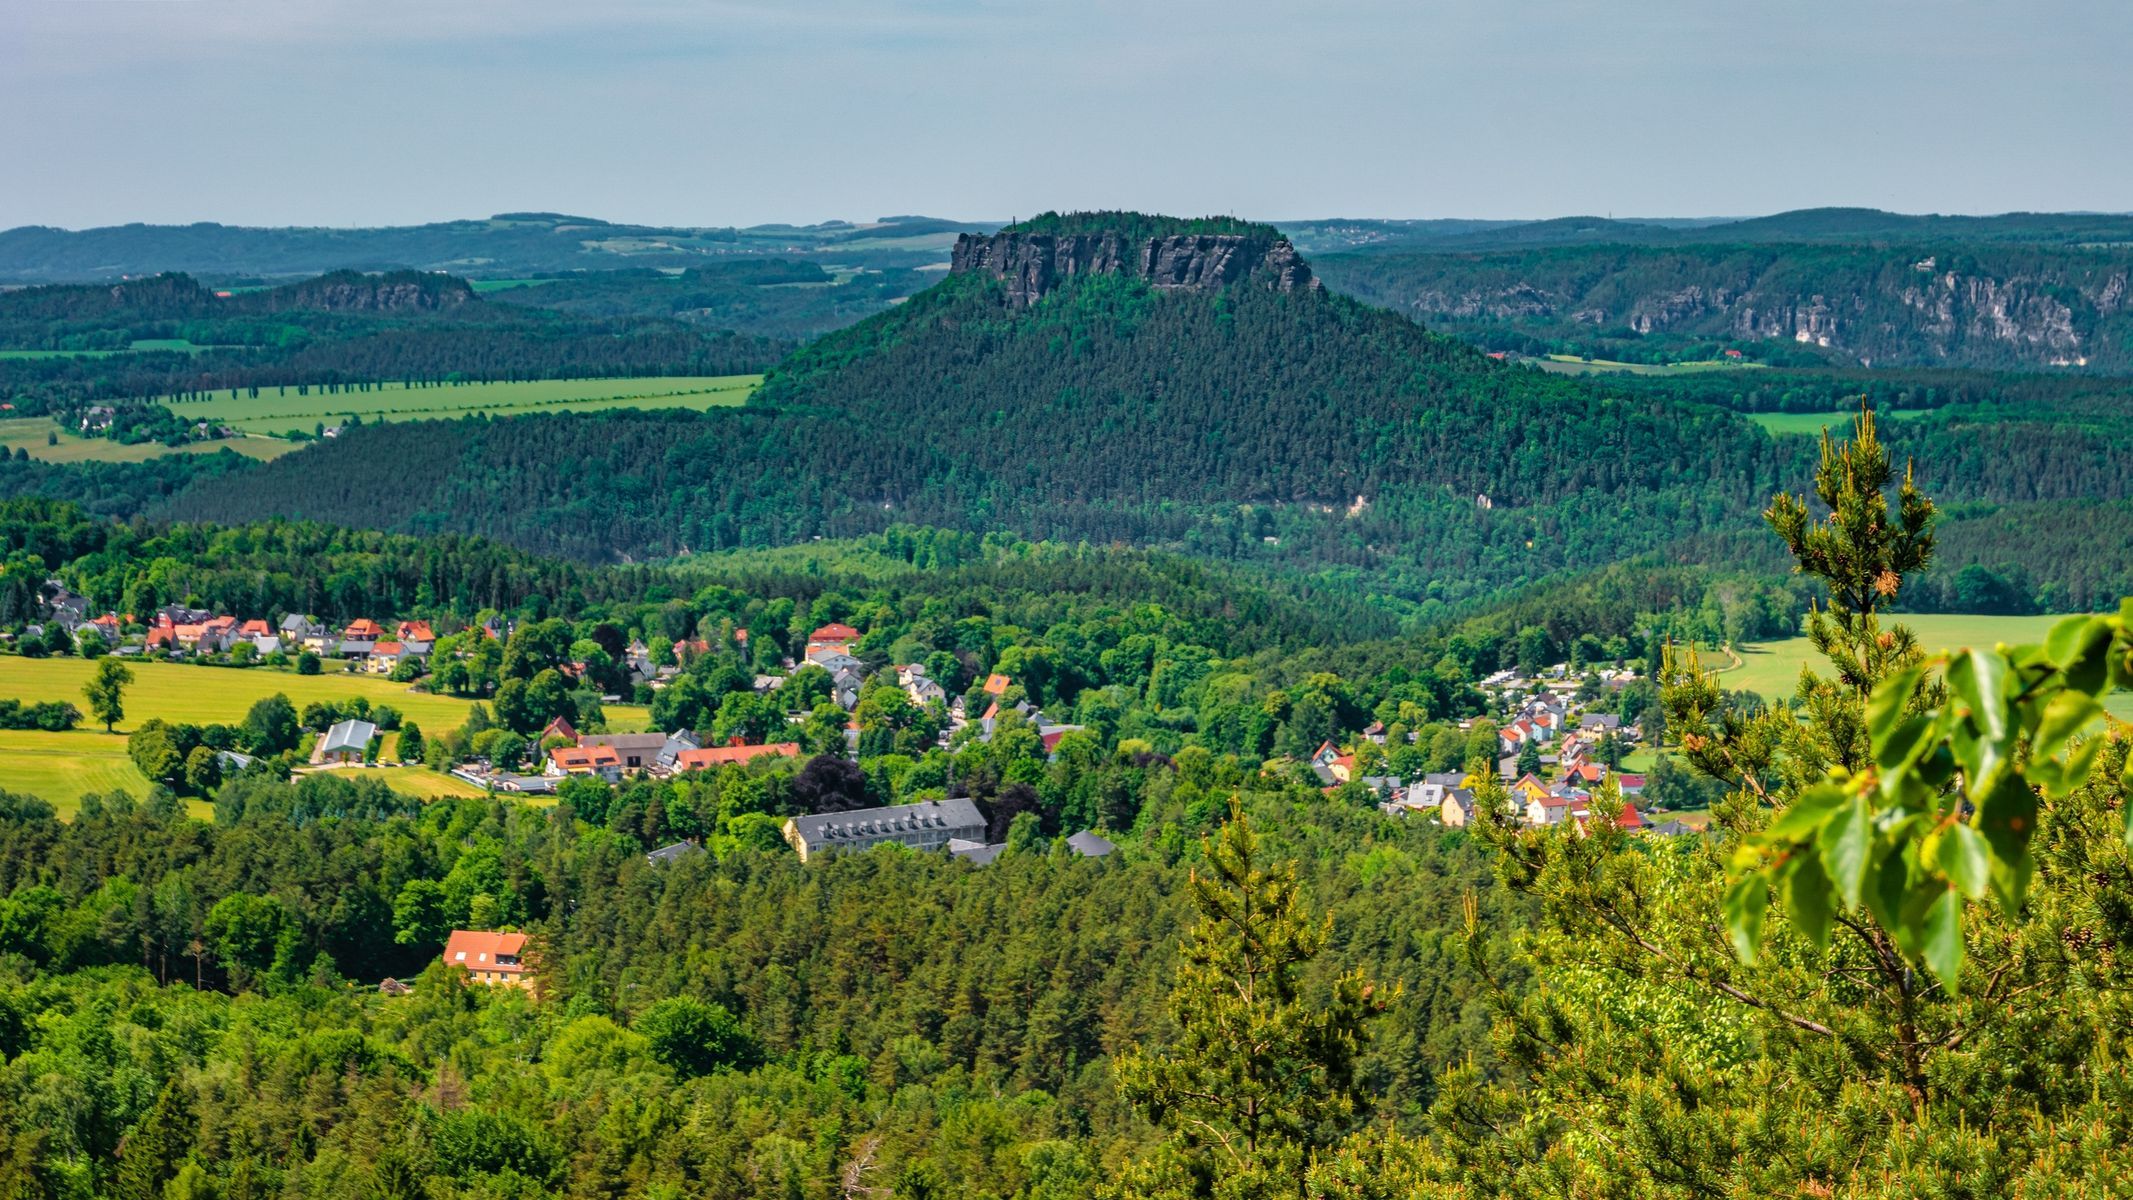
365	112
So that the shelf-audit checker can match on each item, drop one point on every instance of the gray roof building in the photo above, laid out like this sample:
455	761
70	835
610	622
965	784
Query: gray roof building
927	825
1090	844
674	853
637	750
348	737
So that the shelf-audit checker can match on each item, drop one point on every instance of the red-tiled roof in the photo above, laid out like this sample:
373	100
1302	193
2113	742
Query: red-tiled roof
835	631
481	950
256	628
364	629
387	648
416	631
718	756
584	758
996	684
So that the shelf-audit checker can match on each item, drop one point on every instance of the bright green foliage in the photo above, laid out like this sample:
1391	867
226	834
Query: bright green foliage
1655	1059
696	1037
106	692
1260	1075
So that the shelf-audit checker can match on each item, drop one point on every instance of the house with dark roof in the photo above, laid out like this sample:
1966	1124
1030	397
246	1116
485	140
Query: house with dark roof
667	855
637	751
927	825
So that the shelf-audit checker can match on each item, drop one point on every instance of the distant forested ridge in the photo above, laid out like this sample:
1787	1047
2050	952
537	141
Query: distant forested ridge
1238	422
341	330
508	245
1297	429
1942	302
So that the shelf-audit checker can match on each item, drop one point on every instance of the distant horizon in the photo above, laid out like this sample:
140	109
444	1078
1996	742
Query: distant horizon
969	220
343	114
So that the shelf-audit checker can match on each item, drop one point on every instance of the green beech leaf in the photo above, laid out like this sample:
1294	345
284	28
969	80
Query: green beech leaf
1885	707
1805	815
1747	899
1809	897
2067	714
1944	938
1888	884
2125	788
1844	841
1966	859
2081	646
2007	817
1979	678
1895	748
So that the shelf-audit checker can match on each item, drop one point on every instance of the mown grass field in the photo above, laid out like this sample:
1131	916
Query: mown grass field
60	767
278	412
34	434
1564	364
1812	424
1771	669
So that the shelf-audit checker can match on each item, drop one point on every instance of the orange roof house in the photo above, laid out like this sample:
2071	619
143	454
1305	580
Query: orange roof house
835	636
996	684
558	727
363	629
586	760
415	631
719	756
256	628
492	958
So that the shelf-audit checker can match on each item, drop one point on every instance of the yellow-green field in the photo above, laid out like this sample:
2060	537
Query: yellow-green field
60	767
276	412
1812	424
1771	669
1565	364
34	435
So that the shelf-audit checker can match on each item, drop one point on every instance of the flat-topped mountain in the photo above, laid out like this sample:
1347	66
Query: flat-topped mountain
1034	257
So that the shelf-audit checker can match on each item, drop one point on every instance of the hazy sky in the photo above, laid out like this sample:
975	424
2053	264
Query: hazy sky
364	112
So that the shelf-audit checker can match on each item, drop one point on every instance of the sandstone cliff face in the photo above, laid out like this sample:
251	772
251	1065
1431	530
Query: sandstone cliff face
1034	264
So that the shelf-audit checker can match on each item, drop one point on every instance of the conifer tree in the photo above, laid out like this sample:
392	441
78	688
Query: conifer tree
1260	1077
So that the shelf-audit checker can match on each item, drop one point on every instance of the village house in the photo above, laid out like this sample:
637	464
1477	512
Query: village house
347	742
489	957
636	751
719	756
927	825
834	637
598	762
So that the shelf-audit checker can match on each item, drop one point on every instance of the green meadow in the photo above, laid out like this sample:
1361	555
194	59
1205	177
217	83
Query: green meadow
1564	364
60	767
35	434
277	411
1812	424
1771	669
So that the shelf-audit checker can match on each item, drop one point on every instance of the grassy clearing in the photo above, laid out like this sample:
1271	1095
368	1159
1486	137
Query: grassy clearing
1812	424
1771	669
1565	364
138	344
34	434
207	695
279	412
419	782
60	767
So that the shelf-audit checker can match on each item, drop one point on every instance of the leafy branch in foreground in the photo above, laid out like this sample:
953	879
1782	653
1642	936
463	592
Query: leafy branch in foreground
1946	809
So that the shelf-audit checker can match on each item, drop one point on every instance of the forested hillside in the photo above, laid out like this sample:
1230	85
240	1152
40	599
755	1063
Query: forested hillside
1938	302
1242	422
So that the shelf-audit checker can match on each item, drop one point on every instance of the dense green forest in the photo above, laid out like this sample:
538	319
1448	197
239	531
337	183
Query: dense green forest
1936	302
1896	967
338	331
776	298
